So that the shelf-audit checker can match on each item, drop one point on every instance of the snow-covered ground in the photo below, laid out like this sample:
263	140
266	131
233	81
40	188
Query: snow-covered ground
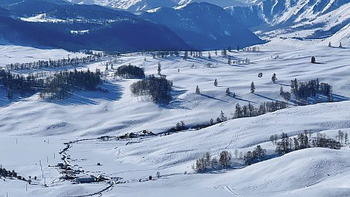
22	54
33	130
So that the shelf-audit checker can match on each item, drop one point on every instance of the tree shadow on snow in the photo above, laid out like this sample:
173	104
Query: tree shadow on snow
211	97
282	84
265	97
107	91
177	103
241	99
338	98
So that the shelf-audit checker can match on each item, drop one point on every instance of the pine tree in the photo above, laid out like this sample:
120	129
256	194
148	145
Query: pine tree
185	55
313	60
225	159
238	111
222	117
274	78
159	68
228	91
346	138
224	52
198	91
211	122
216	83
252	87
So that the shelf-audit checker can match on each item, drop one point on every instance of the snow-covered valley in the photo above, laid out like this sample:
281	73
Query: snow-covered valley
33	131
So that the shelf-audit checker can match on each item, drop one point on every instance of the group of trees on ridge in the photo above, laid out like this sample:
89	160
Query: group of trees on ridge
284	145
64	83
55	63
60	86
304	140
157	88
130	72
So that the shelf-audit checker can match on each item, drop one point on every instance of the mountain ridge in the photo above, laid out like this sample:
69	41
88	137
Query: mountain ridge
204	26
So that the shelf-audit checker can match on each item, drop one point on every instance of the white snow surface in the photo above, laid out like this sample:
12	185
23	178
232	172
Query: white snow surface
33	130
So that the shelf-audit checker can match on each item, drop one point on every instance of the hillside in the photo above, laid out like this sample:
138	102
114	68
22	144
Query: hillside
182	100
109	30
304	19
204	26
44	128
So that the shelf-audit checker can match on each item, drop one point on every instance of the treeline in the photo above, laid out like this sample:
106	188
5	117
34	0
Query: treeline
305	90
251	111
257	155
18	84
157	88
207	163
284	145
60	86
130	72
10	174
302	141
65	83
55	63
164	54
241	112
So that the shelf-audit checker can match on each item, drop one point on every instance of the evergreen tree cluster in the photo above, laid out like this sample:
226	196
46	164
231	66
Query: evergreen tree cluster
18	84
60	86
10	174
157	88
250	111
303	90
257	155
164	54
251	49
130	72
180	126
196	54
322	141
65	83
302	141
207	162
55	63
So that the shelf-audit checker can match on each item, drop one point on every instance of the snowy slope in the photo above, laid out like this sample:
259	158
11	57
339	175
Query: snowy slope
143	5
33	130
342	36
303	19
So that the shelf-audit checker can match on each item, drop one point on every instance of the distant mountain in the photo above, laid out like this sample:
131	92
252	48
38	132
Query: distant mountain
323	17
143	5
204	26
77	27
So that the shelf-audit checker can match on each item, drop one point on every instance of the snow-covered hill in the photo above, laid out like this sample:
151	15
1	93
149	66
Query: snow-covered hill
33	131
342	36
143	5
